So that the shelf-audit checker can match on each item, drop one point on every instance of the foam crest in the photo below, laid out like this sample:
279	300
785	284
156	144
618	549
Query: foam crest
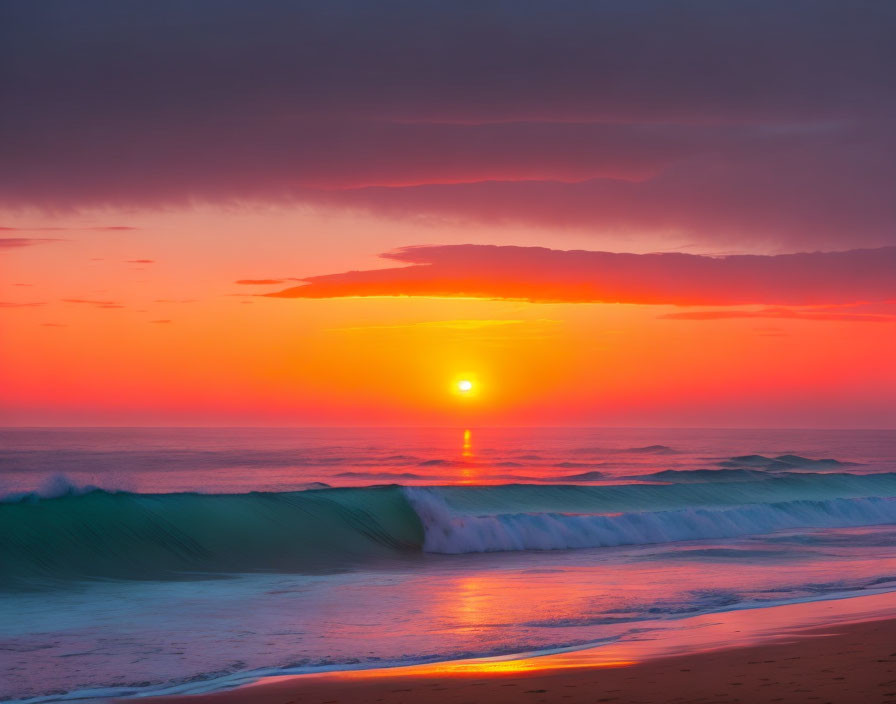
447	532
52	487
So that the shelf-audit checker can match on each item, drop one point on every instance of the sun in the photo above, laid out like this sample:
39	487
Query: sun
464	385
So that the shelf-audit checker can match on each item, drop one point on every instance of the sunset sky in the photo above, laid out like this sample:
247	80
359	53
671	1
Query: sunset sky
618	214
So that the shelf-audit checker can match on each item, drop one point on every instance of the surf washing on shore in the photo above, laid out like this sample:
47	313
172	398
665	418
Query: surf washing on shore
147	561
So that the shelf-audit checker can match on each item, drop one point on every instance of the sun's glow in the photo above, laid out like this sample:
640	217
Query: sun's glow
465	385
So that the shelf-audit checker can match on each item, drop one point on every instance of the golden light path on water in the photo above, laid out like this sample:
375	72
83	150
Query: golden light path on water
703	633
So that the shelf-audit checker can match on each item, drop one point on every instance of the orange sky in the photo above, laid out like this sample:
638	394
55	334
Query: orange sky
177	341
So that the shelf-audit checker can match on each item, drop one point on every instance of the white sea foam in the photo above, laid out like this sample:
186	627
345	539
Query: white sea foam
50	487
448	532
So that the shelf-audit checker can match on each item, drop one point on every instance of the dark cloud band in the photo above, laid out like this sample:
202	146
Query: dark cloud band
754	121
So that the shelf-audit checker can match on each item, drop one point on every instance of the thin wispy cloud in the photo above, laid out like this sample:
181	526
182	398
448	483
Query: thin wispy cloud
782	314
18	242
100	228
260	282
93	302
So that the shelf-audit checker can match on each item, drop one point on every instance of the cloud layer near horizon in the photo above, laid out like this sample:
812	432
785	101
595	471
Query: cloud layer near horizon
545	275
739	123
18	242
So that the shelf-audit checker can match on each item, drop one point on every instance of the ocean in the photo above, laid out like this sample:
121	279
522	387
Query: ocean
142	561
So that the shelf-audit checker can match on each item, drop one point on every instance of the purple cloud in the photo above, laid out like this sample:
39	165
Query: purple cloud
769	122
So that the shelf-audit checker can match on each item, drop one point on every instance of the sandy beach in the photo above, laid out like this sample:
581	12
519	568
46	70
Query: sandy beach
845	664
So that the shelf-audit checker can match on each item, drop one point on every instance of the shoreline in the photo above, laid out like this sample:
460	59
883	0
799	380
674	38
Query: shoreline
839	651
851	664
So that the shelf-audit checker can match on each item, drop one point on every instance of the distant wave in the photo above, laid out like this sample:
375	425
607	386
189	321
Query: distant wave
645	450
576	465
382	475
81	532
783	462
583	477
704	475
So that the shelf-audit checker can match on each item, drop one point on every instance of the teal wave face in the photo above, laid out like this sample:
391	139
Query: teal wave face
150	536
121	535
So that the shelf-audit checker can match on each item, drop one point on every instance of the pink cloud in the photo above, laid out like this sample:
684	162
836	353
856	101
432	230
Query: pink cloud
544	275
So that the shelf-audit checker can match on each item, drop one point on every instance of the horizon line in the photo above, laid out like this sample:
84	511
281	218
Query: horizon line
438	427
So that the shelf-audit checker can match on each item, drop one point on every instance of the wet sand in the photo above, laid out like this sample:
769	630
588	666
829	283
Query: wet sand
843	664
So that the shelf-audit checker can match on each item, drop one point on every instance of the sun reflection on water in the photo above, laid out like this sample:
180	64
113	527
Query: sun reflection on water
469	472
468	444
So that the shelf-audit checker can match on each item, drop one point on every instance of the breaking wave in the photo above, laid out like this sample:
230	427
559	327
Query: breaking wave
80	533
446	533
